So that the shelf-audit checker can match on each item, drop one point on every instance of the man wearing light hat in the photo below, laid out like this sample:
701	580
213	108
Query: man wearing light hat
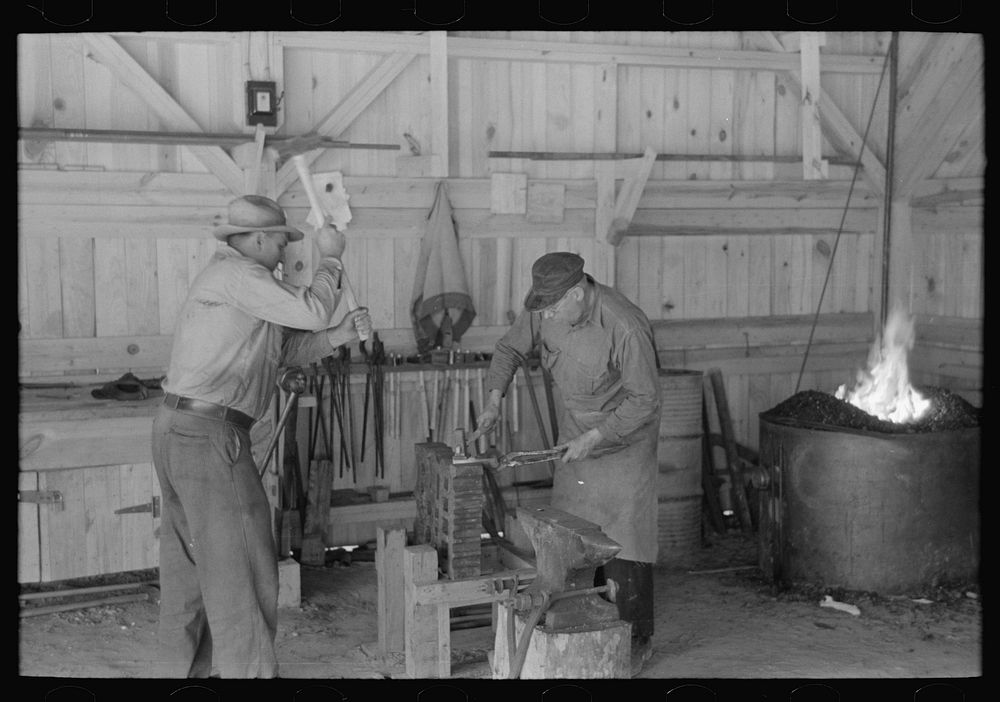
237	327
599	348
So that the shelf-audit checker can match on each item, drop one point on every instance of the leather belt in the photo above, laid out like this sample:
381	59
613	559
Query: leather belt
209	410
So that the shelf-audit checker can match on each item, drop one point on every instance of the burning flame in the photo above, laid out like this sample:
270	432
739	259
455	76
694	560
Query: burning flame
884	390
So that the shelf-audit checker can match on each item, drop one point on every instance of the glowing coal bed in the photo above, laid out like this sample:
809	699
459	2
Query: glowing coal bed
821	410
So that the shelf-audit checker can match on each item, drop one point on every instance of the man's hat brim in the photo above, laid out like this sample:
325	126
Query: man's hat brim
224	231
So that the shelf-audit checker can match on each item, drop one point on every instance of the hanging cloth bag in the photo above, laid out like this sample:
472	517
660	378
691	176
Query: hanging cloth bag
440	291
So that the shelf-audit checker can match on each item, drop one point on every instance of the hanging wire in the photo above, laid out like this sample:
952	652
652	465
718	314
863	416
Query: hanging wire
843	216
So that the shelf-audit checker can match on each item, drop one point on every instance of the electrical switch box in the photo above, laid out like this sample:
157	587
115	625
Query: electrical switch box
262	103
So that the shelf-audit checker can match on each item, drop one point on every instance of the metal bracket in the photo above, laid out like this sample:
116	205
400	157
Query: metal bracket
151	506
42	497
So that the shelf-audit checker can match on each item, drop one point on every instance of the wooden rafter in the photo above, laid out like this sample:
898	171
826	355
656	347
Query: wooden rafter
108	52
836	126
348	109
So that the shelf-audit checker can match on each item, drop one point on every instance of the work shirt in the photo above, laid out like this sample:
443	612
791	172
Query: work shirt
239	325
604	365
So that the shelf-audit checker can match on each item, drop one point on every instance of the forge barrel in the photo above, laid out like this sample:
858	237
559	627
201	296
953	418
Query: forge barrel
679	454
869	511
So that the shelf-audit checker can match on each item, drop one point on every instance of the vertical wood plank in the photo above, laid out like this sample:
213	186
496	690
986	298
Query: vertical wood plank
68	95
560	120
716	268
44	289
102	496
34	87
439	98
420	641
129	112
627	267
781	272
650	253
29	567
23	315
136	527
194	95
172	280
971	301
537	116
380	290
696	293
721	111
76	272
63	531
672	286
389	570
699	89
463	128
162	58
864	276
758	400
98	88
110	268
405	249
142	302
762	277
737	249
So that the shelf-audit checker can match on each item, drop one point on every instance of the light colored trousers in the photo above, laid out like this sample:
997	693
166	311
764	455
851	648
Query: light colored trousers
218	562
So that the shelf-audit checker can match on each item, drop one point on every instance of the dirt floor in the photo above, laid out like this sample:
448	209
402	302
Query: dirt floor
709	625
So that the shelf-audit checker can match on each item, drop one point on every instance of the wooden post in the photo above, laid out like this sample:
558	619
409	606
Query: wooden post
732	457
389	571
427	651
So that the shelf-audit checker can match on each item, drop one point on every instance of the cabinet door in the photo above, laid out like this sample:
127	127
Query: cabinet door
106	522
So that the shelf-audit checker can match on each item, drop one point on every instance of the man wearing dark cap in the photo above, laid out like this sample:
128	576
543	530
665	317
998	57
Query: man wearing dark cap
599	349
237	327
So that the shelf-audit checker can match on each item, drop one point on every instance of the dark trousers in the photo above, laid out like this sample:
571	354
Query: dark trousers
218	562
634	598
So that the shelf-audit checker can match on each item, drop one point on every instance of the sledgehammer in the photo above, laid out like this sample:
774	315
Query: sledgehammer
297	148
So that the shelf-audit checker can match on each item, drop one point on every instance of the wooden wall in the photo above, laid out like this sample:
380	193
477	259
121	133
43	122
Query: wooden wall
728	259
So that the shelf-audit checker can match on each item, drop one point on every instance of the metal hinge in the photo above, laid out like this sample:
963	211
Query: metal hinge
41	497
152	506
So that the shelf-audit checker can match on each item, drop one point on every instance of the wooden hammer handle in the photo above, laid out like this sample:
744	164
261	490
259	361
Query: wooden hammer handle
307	184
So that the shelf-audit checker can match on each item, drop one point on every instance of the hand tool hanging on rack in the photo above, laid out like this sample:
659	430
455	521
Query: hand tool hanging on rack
378	360
292	381
333	368
425	427
345	360
319	424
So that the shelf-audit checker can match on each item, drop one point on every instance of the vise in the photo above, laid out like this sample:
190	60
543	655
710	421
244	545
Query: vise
568	551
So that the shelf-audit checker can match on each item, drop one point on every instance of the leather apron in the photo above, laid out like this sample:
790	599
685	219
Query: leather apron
615	487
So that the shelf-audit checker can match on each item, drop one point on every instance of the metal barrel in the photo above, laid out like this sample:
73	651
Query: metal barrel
886	513
679	456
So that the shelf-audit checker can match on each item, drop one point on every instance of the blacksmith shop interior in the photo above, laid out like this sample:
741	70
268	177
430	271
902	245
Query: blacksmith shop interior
501	355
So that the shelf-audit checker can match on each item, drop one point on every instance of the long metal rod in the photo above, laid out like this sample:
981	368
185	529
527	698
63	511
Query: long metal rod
840	228
889	159
177	138
43	595
615	156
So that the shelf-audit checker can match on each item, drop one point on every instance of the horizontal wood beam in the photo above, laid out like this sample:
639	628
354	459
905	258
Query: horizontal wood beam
569	52
742	332
91	188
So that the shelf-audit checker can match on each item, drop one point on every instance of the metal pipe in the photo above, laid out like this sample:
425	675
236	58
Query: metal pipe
176	138
49	609
84	590
890	149
615	156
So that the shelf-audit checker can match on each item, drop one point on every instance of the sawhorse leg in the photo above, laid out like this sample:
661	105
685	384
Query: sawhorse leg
427	636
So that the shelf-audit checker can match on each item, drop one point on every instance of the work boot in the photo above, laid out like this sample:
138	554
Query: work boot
642	651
